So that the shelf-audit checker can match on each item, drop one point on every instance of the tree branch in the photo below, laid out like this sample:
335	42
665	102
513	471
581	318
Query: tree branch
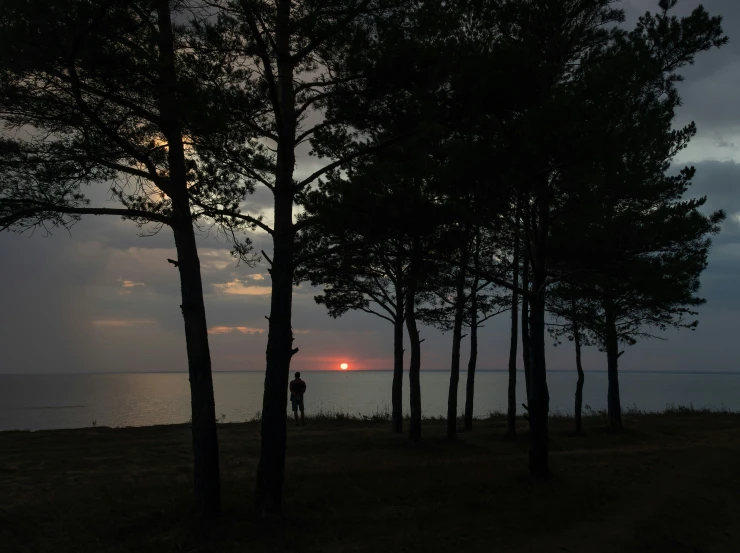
225	213
320	39
361	152
328	251
114	136
304	135
265	57
315	84
39	207
368	310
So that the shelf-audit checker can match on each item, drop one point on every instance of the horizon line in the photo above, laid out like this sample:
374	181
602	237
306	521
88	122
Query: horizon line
625	371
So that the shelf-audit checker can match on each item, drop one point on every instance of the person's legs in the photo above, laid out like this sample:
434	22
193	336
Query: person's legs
295	411
303	415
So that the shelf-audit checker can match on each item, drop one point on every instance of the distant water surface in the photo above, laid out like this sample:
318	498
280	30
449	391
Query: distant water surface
36	402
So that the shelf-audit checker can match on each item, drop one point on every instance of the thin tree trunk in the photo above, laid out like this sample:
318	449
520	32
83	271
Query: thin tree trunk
614	406
470	384
455	365
526	349
538	402
397	391
511	412
206	476
415	345
579	367
271	469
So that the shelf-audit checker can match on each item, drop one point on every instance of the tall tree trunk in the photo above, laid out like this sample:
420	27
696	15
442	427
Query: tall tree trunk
511	412
614	406
415	346
538	402
271	468
579	367
539	399
526	349
472	361
206	476
397	391
455	364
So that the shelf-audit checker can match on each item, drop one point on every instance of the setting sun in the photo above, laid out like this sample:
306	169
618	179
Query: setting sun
344	366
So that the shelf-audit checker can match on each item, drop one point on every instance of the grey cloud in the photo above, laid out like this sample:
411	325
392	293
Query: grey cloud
720	183
708	90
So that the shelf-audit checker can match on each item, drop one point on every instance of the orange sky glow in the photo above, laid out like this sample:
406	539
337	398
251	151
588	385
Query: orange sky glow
335	363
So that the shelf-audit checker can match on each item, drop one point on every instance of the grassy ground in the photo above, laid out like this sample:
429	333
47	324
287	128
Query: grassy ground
669	483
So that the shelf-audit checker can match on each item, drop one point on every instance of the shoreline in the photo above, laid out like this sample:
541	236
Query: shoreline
385	418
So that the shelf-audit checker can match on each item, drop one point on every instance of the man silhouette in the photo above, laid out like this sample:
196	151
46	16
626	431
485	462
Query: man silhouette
297	389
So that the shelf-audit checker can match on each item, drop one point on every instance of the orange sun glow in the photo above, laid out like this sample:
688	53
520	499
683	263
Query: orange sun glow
344	366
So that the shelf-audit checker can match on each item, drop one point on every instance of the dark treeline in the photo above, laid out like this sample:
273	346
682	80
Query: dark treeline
481	157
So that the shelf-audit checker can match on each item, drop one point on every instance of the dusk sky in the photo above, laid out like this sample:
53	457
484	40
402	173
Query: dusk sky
103	299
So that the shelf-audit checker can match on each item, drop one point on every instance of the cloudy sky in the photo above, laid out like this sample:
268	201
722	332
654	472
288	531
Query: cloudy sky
104	299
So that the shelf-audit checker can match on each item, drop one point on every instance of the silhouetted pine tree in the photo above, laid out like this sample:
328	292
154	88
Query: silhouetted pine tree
570	62
370	277
453	300
376	223
569	304
626	235
300	57
106	94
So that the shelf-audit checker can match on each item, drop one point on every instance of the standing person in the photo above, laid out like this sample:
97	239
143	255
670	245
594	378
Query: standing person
297	389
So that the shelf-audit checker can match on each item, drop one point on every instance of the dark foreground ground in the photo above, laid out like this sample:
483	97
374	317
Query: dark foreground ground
669	483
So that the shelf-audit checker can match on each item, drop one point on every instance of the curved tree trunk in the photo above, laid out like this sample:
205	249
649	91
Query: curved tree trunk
414	381
470	384
206	474
397	389
511	411
455	364
579	368
415	346
614	406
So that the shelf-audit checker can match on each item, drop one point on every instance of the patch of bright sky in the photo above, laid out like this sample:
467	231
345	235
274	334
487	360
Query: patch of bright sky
712	146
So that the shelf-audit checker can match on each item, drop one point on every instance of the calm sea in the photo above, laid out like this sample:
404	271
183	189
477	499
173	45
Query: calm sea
36	402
